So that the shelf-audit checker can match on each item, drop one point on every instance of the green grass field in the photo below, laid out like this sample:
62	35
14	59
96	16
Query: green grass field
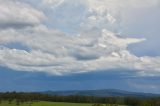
6	103
43	103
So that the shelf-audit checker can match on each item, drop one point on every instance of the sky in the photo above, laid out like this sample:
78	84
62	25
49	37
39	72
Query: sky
79	45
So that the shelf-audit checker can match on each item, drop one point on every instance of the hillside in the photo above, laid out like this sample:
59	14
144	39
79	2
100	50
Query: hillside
101	93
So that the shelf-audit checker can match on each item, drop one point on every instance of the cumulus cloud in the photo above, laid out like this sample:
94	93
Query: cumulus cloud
53	3
111	3
17	14
94	46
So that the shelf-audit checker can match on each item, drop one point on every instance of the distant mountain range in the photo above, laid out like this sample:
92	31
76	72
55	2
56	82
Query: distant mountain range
102	93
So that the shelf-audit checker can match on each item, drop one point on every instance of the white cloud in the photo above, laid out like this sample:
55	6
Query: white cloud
53	3
56	53
17	14
94	48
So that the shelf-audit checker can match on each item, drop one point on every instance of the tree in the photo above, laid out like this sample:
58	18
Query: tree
97	104
17	102
10	101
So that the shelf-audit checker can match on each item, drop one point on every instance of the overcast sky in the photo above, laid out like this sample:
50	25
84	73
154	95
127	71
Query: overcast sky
72	43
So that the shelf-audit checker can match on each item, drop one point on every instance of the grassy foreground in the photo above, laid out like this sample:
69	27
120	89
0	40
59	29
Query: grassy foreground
44	103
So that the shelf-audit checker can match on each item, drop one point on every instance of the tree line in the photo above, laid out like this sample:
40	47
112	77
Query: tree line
21	97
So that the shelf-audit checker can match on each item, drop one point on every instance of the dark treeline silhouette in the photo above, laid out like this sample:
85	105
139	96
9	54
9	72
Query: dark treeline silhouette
22	97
